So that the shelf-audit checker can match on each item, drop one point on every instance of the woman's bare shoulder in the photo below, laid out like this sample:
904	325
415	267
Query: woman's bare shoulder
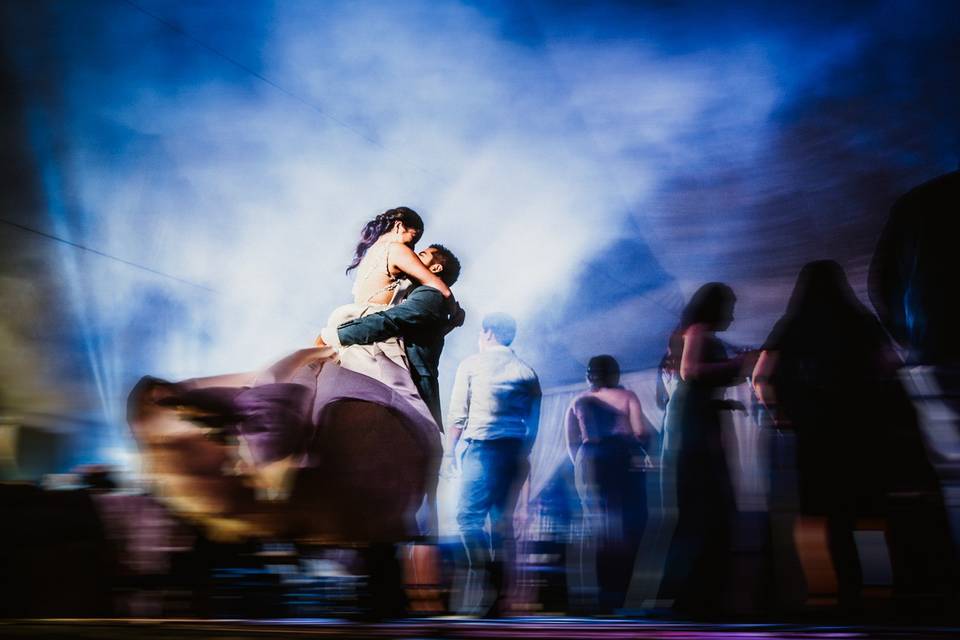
395	246
697	329
626	393
623	397
400	257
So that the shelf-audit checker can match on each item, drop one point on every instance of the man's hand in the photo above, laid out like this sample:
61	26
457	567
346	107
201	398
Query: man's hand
457	314
449	467
319	342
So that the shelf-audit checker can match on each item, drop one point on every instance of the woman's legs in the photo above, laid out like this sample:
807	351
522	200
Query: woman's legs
846	560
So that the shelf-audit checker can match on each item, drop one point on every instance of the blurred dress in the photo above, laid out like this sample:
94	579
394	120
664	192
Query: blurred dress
859	452
280	414
611	482
276	399
698	561
826	380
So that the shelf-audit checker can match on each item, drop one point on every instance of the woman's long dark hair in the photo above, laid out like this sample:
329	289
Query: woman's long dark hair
380	225
826	323
822	288
710	304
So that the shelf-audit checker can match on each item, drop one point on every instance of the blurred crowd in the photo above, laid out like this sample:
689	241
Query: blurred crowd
860	411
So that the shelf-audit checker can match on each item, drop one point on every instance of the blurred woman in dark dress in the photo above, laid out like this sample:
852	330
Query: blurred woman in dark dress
698	561
605	433
828	373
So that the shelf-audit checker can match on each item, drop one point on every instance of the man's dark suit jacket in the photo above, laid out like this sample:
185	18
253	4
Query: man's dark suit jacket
422	320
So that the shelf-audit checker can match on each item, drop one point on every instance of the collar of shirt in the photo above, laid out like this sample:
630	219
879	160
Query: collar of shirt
498	347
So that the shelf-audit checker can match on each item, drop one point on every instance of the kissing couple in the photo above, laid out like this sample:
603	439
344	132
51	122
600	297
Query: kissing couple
363	399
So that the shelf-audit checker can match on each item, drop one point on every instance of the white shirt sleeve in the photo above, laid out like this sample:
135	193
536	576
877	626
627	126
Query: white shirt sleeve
460	397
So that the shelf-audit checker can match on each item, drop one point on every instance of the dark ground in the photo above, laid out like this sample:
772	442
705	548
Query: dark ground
450	628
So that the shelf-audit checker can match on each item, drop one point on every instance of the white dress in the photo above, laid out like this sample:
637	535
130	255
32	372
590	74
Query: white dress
383	361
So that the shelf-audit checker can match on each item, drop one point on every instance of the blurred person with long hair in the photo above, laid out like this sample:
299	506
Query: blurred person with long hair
698	561
827	372
605	433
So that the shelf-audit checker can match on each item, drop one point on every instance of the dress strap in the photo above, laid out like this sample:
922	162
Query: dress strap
390	287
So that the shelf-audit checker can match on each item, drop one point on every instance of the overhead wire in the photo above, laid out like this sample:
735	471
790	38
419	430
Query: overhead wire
173	26
104	254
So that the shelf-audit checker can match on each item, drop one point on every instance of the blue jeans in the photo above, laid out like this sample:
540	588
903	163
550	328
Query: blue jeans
491	474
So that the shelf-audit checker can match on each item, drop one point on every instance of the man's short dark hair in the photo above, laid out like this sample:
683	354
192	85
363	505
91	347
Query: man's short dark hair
501	325
603	371
449	262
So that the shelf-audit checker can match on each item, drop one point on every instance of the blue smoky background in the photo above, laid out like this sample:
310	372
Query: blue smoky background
183	183
591	164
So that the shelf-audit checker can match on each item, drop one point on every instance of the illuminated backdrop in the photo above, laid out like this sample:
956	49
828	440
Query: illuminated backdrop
591	163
